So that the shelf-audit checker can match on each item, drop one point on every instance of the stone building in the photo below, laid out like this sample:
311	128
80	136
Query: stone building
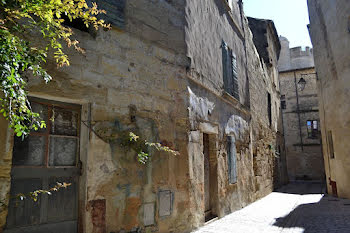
329	30
184	73
294	58
301	121
266	41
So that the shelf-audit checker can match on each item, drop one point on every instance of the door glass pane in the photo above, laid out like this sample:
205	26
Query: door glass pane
309	124
43	111
29	152
26	212
63	151
65	122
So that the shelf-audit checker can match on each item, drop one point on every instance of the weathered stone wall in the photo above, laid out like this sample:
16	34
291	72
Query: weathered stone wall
220	123
329	30
269	166
137	87
256	154
158	21
304	154
140	73
132	82
209	24
269	50
265	39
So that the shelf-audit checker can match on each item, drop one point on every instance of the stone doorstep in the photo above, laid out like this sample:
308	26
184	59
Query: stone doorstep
211	221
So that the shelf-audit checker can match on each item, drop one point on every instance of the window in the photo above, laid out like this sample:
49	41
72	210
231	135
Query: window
231	160
312	129
276	110
269	110
115	12
75	23
57	145
330	144
230	71
283	102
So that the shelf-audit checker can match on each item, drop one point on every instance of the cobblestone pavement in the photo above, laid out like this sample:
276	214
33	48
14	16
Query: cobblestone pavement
295	208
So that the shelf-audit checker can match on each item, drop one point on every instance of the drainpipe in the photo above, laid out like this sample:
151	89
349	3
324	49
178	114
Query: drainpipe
326	131
284	139
298	110
89	120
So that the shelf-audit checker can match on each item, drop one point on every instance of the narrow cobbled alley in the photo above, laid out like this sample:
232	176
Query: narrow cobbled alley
295	208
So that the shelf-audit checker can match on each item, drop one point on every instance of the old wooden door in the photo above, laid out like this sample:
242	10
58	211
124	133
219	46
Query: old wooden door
41	160
206	175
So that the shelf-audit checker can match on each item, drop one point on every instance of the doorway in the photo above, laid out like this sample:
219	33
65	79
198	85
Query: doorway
42	159
210	176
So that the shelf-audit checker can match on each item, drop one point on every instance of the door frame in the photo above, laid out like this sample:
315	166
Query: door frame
83	148
212	130
84	145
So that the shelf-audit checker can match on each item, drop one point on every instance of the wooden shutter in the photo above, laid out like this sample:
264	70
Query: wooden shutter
235	92
230	71
232	160
227	68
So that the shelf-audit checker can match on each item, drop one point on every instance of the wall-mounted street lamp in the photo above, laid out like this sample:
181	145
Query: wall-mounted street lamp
301	84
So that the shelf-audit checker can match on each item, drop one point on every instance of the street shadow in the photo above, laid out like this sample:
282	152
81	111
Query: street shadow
303	188
328	215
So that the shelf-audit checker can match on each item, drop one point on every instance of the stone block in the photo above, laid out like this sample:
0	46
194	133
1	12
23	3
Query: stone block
165	203
194	136
148	214
209	128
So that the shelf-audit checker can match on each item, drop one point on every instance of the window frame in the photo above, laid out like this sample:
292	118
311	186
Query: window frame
47	134
230	71
283	102
312	132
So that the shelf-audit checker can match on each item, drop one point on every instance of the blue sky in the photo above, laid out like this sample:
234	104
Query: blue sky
290	17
